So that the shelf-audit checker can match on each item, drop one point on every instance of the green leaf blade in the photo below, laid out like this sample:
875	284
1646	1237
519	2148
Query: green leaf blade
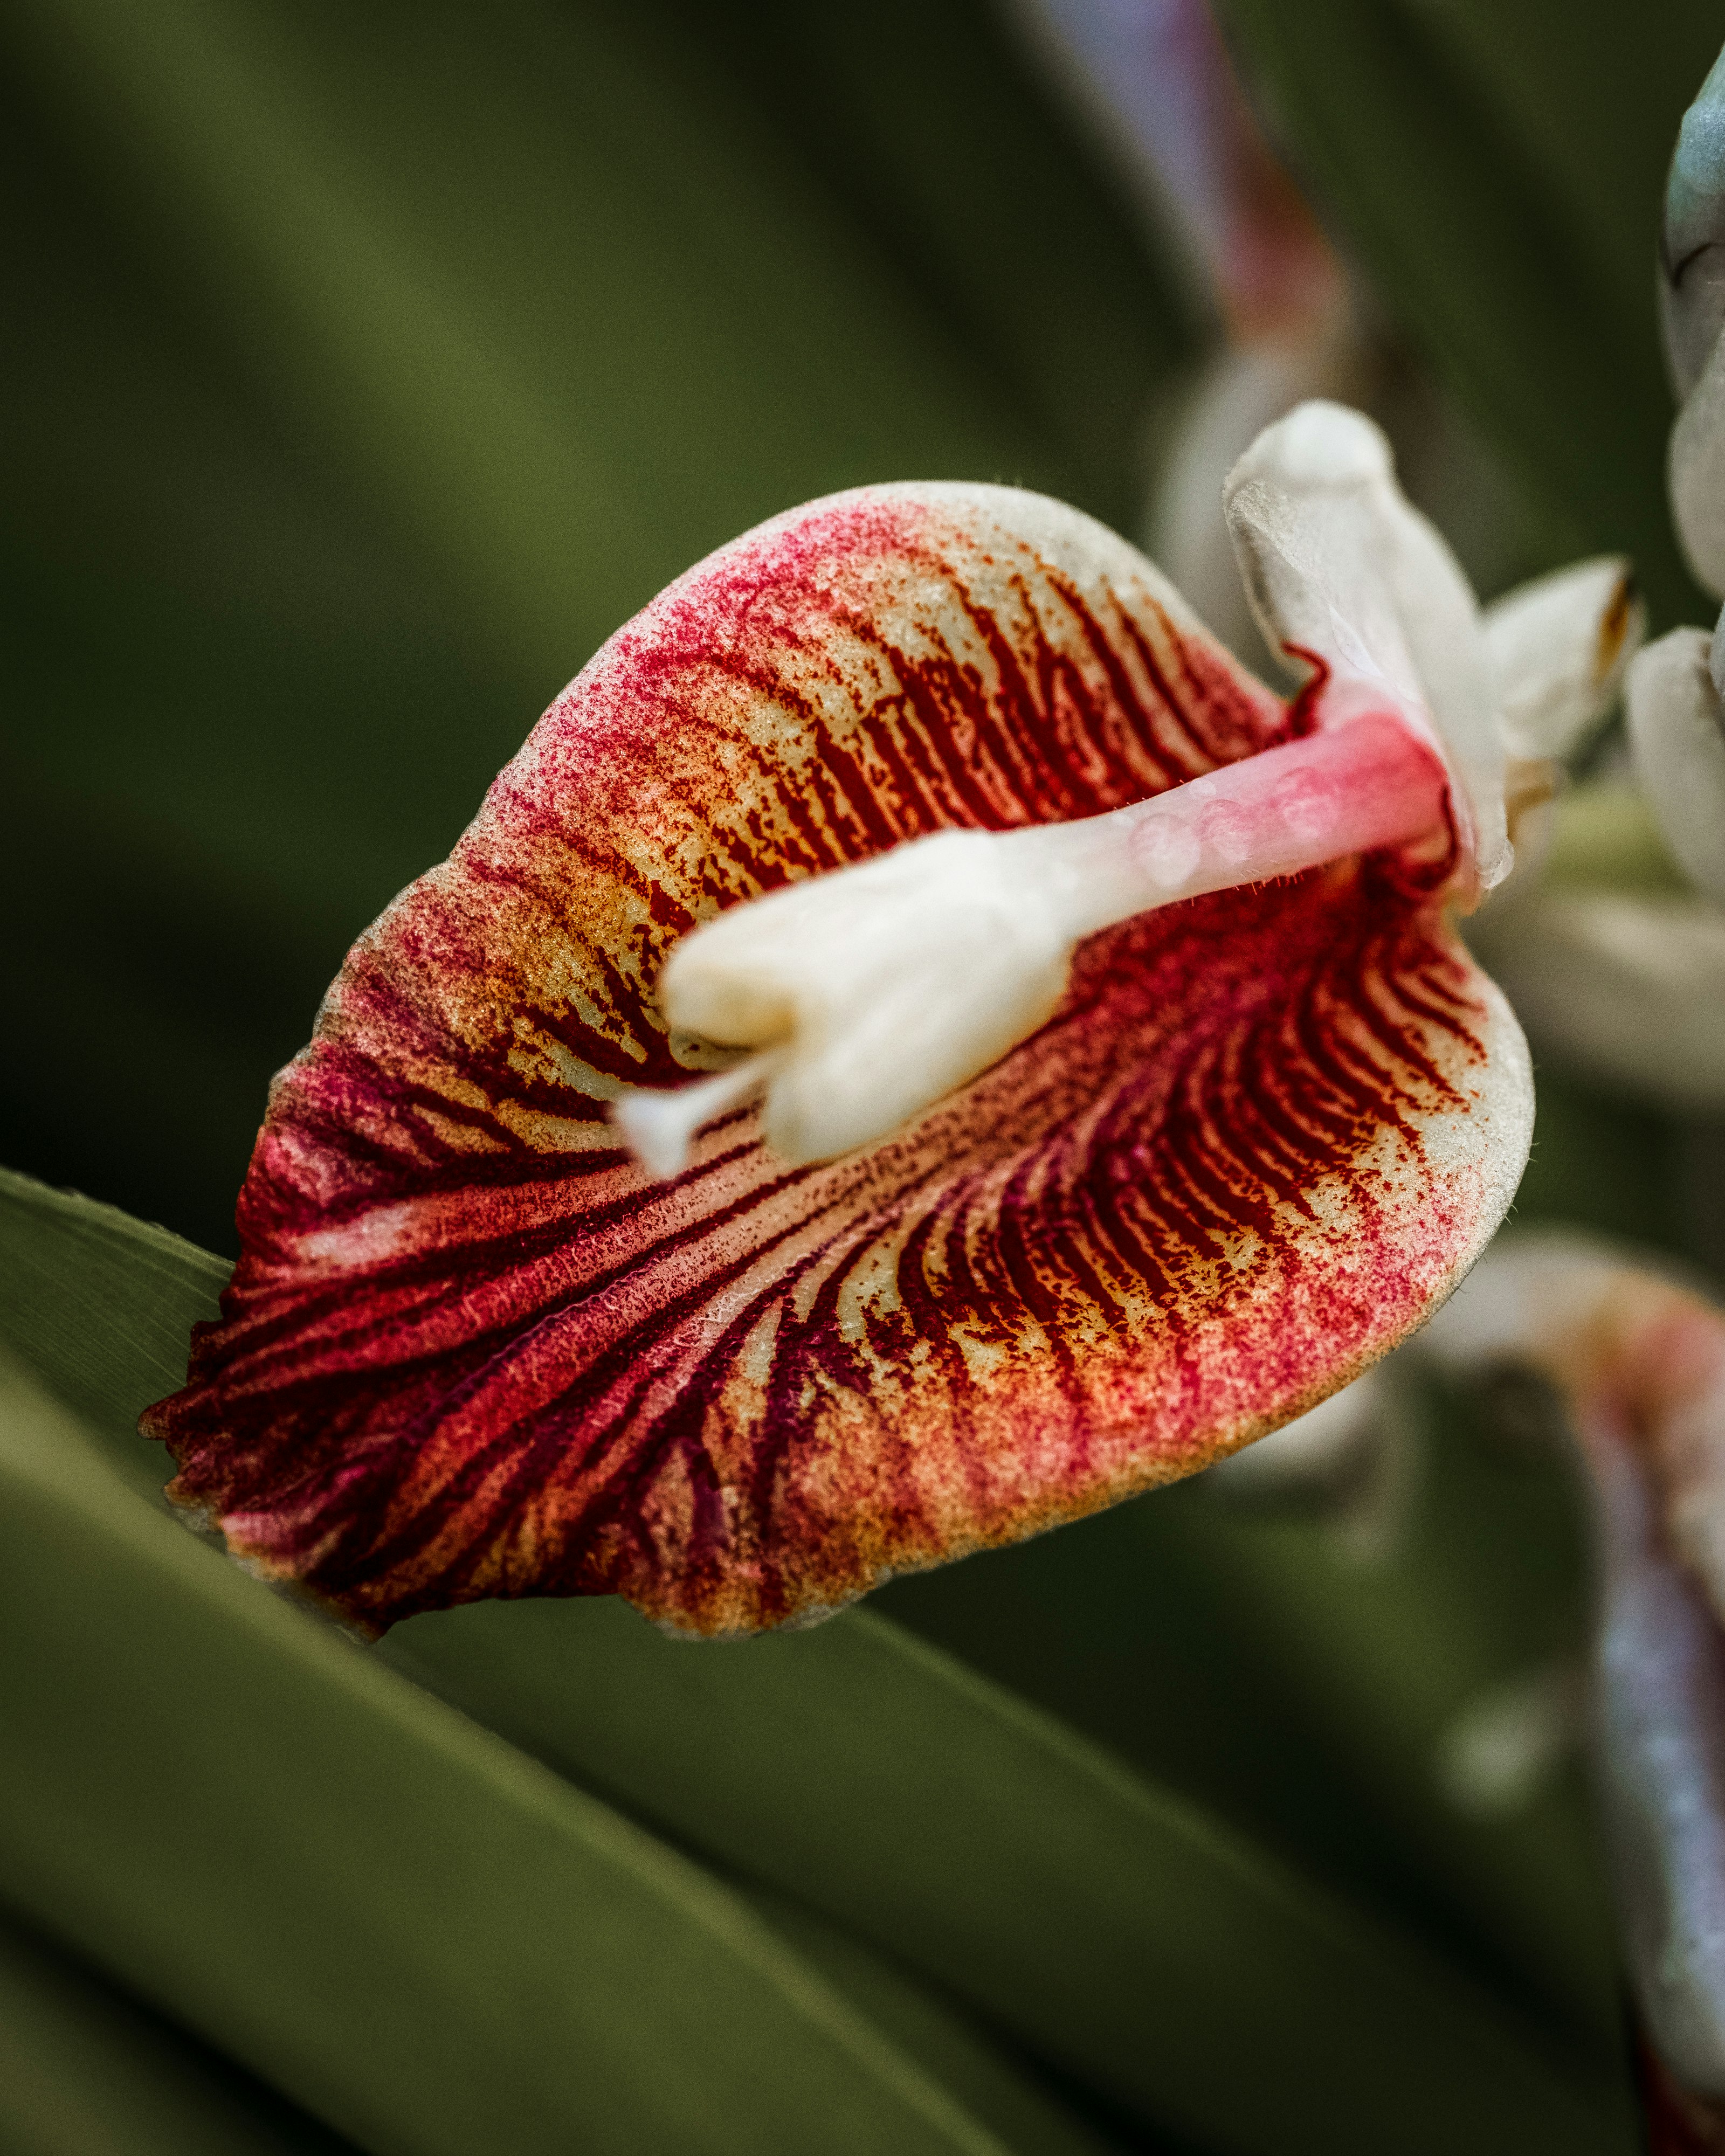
423	1936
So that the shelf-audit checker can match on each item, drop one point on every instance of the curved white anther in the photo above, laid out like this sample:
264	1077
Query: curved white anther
888	983
660	1126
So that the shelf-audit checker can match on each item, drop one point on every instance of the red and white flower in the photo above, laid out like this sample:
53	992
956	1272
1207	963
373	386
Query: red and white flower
1126	1088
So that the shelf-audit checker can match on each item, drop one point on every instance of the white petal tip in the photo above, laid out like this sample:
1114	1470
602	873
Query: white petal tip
1318	445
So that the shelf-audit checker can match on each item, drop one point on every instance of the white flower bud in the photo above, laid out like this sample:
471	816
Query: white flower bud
1677	726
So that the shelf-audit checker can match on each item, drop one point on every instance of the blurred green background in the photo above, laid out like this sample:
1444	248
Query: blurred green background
366	367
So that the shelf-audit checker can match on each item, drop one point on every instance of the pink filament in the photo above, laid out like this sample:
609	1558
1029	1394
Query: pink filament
1372	782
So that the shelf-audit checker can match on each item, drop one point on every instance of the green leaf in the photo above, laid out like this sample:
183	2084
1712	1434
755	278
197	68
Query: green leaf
1500	173
1112	1928
1257	1667
87	2072
1378	1661
423	1936
101	1308
947	2043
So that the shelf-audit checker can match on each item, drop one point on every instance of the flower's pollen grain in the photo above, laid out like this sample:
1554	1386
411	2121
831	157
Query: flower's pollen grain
1249	1150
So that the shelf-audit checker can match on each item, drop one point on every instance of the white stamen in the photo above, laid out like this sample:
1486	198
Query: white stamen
1228	832
1309	808
879	988
888	984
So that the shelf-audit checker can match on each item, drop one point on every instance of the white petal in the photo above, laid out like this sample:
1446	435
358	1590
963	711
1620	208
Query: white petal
1695	472
1242	391
1627	988
1337	562
1678	729
1558	648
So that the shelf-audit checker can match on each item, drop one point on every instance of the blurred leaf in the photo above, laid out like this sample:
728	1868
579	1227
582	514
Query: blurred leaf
101	1309
1259	1667
433	234
1500	173
1115	1929
1378	1661
1605	837
931	2029
423	1936
1112	1927
925	122
87	2072
1606	1163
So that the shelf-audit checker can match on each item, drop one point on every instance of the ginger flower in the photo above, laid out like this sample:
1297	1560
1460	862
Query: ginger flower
1078	1071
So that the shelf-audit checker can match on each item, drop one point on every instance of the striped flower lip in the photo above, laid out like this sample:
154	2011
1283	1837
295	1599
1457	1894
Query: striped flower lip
1246	1143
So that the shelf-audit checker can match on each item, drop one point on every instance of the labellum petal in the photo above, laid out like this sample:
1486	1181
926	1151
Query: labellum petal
470	1349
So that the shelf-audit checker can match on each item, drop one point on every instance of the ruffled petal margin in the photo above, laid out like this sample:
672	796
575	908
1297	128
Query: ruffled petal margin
470	1350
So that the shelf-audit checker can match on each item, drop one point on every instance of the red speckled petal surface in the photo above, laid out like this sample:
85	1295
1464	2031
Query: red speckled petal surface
470	1350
